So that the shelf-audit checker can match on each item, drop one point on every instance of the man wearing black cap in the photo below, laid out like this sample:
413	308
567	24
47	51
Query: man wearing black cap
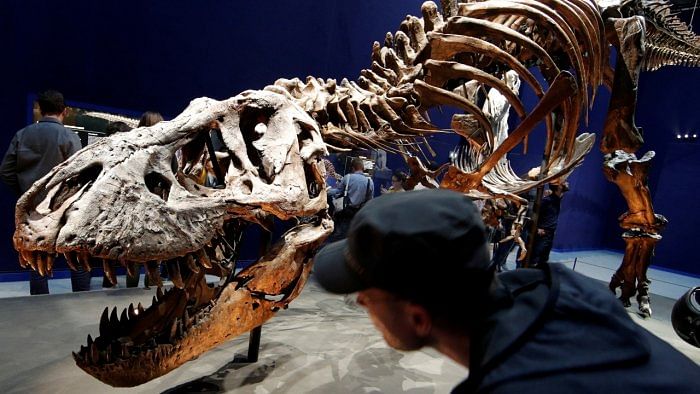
419	263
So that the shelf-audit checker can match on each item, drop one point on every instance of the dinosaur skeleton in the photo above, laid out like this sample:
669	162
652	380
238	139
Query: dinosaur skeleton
121	199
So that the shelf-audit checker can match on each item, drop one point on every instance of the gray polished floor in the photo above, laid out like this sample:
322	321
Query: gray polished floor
321	344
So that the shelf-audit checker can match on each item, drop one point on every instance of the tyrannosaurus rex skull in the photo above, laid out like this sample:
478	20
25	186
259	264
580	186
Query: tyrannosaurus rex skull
123	199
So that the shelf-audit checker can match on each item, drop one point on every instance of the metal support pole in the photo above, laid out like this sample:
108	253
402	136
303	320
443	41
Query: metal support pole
214	162
256	333
254	344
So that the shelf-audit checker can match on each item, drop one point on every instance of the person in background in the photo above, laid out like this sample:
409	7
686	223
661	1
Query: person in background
398	178
547	224
116	127
357	188
419	264
148	119
33	152
331	178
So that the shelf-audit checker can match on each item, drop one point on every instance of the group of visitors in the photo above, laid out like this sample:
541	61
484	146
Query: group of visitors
508	224
353	191
38	148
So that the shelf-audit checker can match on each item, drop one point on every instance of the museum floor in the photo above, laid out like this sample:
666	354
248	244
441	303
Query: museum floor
322	344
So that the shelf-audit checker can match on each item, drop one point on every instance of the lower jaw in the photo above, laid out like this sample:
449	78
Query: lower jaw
250	299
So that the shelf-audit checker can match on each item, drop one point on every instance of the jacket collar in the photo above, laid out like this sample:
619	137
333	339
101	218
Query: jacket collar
50	119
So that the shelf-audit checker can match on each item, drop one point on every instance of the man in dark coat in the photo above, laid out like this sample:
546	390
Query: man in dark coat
425	280
547	224
33	152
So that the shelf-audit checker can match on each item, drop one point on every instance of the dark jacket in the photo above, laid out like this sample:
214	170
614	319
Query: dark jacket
564	333
34	151
549	213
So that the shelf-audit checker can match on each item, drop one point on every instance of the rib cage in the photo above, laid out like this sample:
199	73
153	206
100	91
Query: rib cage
424	64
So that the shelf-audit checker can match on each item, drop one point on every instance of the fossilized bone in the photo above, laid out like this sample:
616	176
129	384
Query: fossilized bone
119	199
515	231
647	36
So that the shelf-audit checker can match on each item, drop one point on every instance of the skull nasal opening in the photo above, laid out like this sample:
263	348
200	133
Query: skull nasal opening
73	184
158	185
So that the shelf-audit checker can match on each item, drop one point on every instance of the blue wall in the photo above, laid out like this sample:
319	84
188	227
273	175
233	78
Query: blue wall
669	102
159	55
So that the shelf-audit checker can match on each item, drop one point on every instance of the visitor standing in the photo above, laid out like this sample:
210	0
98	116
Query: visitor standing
547	224
33	152
357	188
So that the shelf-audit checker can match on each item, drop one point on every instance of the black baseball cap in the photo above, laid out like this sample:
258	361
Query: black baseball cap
423	245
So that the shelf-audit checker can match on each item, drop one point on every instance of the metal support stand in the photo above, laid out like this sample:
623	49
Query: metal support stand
254	344
256	333
253	348
214	161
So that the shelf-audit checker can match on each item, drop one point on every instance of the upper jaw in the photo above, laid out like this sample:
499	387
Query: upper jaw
146	228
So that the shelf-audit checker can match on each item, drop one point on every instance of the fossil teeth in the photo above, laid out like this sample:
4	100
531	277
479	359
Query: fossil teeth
203	259
109	272
94	354
30	258
131	268
174	274
173	329
140	309
41	263
191	264
159	293
123	318
154	273
70	260
132	311
180	328
104	323
22	262
50	258
114	319
84	259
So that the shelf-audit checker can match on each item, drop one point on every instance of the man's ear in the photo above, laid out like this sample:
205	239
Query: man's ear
421	320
